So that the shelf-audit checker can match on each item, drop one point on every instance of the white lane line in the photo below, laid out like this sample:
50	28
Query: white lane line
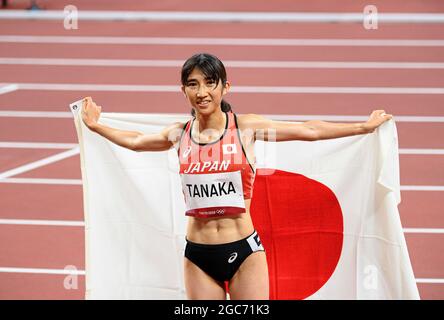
79	182
335	90
423	230
8	88
421	188
49	145
422	151
224	16
281	117
61	223
72	271
37	145
188	41
306	117
98	87
67	271
39	163
67	223
42	181
228	63
429	280
34	114
235	89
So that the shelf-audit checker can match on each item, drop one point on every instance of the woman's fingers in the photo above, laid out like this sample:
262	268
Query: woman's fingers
379	116
90	109
88	102
382	113
85	104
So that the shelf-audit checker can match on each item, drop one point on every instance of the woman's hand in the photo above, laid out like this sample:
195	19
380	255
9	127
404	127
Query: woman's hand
90	113
377	118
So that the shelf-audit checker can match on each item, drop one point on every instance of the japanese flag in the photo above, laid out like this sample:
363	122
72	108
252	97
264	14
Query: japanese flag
326	212
327	215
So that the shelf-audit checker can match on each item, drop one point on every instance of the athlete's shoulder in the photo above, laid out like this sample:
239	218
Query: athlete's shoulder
176	125
174	131
250	117
249	120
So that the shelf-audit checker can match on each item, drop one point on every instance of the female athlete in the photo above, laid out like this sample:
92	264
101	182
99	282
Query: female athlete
216	155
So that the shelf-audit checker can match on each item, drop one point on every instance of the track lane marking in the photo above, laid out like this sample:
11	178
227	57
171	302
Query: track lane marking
39	163
227	63
189	41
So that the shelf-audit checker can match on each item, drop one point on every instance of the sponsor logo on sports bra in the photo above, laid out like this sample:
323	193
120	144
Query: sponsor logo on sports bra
186	152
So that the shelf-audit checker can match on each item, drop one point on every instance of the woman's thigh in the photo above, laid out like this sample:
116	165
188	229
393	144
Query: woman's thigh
251	280
199	285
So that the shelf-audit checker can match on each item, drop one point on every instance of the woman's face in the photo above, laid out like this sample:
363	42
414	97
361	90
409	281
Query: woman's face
204	95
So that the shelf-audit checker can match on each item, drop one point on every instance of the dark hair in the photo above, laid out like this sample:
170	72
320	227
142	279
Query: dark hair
211	67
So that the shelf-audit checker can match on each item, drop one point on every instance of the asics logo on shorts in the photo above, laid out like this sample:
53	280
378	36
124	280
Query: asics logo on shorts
232	257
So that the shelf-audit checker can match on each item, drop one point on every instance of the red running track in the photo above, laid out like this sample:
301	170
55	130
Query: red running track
40	247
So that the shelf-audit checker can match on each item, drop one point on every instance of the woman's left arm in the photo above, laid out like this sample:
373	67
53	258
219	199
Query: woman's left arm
329	130
268	130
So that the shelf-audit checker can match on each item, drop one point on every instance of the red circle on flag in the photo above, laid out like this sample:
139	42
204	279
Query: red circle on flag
300	223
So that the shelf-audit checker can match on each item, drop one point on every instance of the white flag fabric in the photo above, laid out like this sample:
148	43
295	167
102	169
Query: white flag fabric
327	215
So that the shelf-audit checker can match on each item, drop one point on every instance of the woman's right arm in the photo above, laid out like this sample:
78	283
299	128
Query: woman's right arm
132	140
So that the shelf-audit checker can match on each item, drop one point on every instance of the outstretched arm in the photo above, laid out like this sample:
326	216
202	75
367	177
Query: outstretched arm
132	140
328	130
269	130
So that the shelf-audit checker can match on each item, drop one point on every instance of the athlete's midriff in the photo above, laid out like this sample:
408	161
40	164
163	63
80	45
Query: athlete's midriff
216	230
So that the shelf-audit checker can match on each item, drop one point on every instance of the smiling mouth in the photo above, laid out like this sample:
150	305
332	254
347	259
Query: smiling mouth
203	103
